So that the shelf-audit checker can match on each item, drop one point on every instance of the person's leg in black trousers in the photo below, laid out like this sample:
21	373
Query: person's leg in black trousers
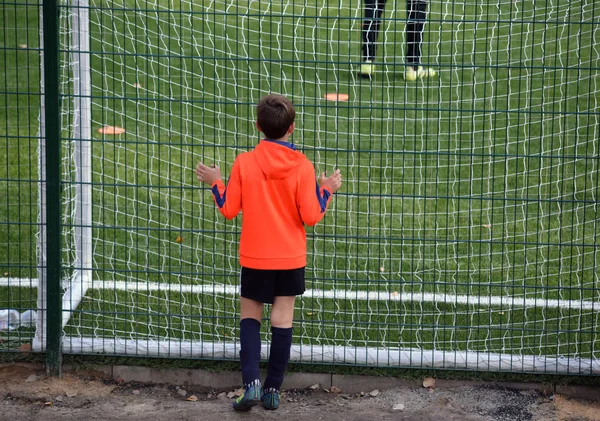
370	32
416	17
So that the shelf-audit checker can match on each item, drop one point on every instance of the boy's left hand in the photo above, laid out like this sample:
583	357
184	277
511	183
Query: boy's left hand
208	174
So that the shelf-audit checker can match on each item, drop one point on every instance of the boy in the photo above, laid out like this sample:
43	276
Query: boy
276	189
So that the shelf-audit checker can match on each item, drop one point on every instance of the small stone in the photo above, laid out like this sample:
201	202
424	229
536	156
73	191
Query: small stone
231	395
59	398
181	392
290	400
192	398
136	392
345	396
222	395
429	382
210	396
374	393
334	389
398	407
315	386
31	378
71	393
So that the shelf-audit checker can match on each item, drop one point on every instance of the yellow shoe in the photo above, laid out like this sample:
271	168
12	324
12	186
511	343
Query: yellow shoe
426	72
366	69
411	74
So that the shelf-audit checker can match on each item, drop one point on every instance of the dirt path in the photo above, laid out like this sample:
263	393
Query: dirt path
26	394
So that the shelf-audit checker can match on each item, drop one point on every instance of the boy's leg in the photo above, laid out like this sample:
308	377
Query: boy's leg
250	309
282	316
250	315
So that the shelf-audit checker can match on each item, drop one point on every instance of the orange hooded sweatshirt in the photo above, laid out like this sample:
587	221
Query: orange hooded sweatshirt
276	189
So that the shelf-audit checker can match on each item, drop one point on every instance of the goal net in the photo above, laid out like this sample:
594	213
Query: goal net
466	231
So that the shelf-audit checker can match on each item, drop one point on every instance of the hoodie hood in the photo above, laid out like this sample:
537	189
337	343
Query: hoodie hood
278	160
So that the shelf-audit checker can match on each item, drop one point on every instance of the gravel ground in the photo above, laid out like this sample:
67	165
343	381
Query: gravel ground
26	394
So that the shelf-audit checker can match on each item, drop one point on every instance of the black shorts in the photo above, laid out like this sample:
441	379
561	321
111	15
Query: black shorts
264	285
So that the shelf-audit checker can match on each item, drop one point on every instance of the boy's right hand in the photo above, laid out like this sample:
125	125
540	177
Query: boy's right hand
208	174
333	182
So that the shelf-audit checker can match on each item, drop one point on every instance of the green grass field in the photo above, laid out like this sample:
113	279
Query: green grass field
480	182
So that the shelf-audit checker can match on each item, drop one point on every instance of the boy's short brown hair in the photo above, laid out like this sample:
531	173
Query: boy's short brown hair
275	114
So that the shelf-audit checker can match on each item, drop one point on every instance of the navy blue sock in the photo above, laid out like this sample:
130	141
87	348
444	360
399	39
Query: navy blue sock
281	342
250	351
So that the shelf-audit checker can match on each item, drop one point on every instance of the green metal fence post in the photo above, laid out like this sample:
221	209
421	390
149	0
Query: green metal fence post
53	188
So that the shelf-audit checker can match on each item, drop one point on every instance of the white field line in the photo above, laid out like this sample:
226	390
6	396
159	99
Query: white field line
338	294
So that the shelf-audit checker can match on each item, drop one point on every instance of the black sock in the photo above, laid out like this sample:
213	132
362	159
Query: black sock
281	342
417	14
370	29
250	351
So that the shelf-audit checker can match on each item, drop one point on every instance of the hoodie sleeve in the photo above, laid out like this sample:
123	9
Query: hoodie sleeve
229	199
312	198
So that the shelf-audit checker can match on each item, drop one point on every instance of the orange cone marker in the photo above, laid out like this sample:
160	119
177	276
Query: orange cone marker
111	130
336	97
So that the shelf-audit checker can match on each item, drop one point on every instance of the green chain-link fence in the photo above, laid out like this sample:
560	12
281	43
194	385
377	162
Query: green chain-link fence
466	232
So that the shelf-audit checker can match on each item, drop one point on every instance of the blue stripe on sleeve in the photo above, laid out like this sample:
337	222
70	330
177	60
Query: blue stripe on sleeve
322	199
220	200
